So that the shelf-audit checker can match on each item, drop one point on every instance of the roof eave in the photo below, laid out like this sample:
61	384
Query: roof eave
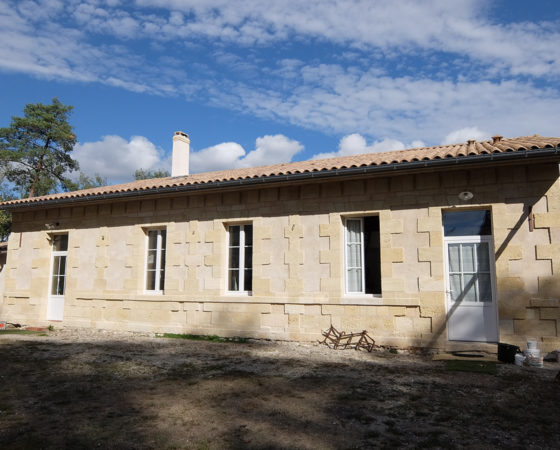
546	153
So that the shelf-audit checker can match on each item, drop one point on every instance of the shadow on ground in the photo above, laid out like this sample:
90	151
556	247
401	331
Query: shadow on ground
201	395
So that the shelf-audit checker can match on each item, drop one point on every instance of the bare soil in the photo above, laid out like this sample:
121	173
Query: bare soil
89	389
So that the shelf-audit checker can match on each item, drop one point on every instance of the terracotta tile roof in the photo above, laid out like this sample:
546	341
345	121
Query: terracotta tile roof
394	158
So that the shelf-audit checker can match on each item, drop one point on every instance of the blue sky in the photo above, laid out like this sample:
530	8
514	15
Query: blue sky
262	82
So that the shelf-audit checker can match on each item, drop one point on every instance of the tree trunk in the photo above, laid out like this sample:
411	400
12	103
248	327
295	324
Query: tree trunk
39	169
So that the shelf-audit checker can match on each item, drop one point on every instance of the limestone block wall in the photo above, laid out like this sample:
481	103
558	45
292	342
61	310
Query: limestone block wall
298	258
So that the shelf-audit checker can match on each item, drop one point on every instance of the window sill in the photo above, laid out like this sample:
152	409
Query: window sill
376	300
239	293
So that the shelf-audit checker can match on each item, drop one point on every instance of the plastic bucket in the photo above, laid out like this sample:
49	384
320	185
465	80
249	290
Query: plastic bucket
534	361
532	353
531	344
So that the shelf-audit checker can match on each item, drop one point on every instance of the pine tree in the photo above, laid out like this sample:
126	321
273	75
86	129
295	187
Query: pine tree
141	174
35	149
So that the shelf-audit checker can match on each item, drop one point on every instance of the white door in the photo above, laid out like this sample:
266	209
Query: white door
55	302
55	307
471	300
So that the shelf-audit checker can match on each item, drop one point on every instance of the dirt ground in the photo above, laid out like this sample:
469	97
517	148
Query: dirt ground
89	389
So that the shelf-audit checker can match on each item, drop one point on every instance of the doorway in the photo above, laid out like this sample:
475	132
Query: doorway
470	276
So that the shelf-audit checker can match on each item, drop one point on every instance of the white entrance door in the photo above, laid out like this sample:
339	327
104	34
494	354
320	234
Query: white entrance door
55	303
471	299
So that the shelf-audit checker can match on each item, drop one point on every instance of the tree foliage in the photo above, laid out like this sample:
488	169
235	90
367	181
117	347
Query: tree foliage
86	182
142	174
35	149
5	216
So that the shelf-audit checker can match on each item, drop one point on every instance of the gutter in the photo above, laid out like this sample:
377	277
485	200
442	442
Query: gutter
518	155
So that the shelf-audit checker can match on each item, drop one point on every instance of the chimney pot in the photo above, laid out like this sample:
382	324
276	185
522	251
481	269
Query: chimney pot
471	141
496	138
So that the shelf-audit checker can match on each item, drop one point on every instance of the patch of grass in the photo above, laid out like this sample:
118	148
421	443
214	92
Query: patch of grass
487	367
201	337
17	331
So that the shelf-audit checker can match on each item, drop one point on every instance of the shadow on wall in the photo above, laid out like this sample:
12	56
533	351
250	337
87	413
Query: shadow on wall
443	324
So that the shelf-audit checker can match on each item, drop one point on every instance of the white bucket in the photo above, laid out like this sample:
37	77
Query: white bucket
532	353
531	344
519	358
534	361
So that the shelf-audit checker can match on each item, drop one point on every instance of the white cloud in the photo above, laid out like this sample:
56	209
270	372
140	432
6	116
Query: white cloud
464	134
48	38
221	156
176	47
117	159
337	100
230	155
355	144
464	28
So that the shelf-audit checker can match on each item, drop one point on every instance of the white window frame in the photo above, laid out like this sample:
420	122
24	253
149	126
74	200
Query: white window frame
471	239
158	271
362	257
241	268
53	255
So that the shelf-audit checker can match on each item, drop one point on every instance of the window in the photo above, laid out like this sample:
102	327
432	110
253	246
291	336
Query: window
240	258
362	262
467	223
155	261
59	244
469	271
468	239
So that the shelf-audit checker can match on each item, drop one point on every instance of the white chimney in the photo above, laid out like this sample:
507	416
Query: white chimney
180	159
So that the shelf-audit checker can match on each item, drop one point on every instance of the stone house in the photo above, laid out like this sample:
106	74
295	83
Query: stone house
426	247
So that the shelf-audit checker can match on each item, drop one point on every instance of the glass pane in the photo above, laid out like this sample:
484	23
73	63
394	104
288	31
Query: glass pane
248	280
152	240
483	259
248	234
354	256
485	288
455	287
234	236
234	280
163	239
248	257
62	265
467	252
161	279
234	258
454	257
54	286
151	259
61	281
56	265
60	242
354	228
150	280
354	280
469	288
467	223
